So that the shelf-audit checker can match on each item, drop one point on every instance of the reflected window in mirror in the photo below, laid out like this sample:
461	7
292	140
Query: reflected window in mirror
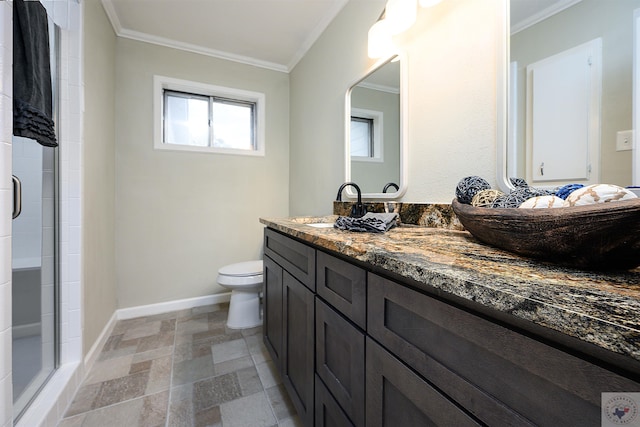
374	138
366	141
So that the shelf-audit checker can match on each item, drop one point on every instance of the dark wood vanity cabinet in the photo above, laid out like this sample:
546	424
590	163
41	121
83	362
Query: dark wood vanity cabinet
289	316
358	349
272	310
298	345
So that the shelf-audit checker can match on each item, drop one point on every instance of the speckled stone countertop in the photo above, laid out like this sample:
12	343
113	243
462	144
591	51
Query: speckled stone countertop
601	309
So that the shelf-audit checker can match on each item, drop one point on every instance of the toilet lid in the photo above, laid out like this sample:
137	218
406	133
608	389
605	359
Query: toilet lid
248	268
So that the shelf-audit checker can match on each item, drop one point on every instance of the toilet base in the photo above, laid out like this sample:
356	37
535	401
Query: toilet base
244	310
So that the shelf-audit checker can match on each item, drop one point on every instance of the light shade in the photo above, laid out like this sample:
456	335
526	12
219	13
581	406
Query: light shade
380	40
400	15
429	3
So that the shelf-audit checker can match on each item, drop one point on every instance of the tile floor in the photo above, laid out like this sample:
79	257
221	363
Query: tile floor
182	368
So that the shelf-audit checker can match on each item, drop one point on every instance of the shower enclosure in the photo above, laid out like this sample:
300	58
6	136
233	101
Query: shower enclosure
34	260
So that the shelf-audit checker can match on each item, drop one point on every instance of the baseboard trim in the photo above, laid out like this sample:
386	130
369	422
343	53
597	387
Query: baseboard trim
165	307
99	343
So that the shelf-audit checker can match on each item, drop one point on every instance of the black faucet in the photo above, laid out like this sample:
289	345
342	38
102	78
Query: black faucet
358	210
390	184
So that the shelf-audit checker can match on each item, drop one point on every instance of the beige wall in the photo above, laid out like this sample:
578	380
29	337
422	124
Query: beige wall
98	237
180	216
452	54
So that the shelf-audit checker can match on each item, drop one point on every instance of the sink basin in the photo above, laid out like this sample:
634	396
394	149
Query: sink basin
321	225
313	221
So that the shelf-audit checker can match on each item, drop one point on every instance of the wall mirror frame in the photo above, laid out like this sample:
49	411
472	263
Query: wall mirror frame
507	96
372	189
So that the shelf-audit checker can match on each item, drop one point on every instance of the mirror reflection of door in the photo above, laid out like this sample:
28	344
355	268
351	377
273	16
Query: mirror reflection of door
559	26
375	134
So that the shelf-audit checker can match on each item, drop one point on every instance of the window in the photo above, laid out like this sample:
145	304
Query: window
362	137
198	117
366	135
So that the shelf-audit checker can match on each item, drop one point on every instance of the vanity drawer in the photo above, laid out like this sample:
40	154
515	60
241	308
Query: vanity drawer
396	396
295	257
327	411
339	360
344	286
499	375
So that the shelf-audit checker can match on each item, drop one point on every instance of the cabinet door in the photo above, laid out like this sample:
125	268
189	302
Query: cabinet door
328	412
339	360
501	376
295	257
298	344
396	396
272	327
344	286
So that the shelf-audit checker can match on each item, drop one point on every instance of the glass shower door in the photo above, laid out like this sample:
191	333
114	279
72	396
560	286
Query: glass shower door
34	271
34	260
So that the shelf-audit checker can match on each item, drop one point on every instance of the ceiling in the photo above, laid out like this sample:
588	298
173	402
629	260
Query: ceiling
272	34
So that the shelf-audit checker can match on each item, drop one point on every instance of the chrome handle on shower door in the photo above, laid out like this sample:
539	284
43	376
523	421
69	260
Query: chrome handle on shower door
17	196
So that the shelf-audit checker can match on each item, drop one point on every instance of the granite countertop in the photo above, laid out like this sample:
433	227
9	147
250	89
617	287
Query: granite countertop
601	309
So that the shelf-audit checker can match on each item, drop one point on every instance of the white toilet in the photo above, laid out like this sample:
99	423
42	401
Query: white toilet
244	280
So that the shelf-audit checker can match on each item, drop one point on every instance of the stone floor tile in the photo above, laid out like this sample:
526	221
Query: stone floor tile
189	371
229	350
83	400
180	414
184	368
214	391
140	366
154	409
155	341
192	325
212	308
251	331
159	375
212	331
268	374
156	353
249	381
122	414
121	351
258	350
279	399
219	316
253	410
109	369
208	418
121	389
233	365
145	330
75	421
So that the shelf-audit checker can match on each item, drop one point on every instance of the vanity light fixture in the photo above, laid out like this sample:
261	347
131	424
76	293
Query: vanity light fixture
429	3
398	16
380	40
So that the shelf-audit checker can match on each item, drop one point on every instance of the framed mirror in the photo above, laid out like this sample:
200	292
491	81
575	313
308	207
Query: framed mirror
544	37
375	131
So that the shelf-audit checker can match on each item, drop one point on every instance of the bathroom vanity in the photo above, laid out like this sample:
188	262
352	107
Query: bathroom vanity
427	326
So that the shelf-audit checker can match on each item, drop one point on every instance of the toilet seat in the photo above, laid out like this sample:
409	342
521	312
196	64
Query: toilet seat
241	274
